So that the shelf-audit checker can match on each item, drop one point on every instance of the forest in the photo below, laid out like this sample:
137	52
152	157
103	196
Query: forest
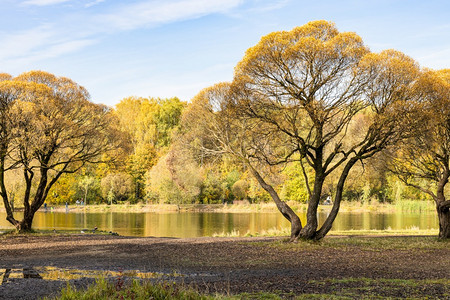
153	167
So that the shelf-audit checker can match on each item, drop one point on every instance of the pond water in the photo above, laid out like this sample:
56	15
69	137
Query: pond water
189	224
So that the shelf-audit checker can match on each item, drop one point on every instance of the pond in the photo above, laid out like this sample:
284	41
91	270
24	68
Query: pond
194	224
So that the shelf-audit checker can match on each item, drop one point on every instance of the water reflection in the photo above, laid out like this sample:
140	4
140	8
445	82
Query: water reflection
64	274
206	224
27	272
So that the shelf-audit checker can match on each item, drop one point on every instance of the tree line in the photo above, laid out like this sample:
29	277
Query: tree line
311	113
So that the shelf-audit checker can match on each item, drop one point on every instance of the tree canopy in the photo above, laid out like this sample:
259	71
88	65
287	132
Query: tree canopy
426	155
48	128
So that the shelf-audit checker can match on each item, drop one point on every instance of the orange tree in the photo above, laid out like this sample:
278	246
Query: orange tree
48	127
311	95
423	161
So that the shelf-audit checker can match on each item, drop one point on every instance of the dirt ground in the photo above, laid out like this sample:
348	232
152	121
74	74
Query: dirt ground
231	265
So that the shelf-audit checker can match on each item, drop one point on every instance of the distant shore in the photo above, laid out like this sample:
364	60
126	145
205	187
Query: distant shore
406	205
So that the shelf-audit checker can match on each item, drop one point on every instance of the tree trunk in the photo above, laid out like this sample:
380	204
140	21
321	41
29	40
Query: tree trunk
25	224
326	227
85	194
443	206
286	211
29	210
310	229
4	194
13	221
9	210
444	219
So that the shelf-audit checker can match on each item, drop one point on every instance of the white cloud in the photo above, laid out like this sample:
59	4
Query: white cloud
43	2
34	45
64	47
264	6
92	3
154	13
22	43
51	40
436	59
44	42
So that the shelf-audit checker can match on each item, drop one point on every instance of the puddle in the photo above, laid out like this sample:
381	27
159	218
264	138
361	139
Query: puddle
6	274
66	274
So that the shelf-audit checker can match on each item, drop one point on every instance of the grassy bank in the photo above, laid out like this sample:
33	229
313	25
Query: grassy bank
399	206
104	289
387	232
343	288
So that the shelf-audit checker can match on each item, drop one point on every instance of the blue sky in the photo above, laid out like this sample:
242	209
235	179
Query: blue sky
159	48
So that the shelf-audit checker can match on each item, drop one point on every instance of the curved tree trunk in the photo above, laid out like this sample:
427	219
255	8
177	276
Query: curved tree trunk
443	206
326	227
309	231
286	210
9	210
4	194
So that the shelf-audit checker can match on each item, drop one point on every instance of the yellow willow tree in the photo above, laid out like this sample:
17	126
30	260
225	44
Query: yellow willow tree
425	157
48	127
313	95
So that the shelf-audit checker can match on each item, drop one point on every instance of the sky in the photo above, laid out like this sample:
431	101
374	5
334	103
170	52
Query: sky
175	48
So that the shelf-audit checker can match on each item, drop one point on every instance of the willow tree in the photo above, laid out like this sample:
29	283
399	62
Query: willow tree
316	96
423	161
48	127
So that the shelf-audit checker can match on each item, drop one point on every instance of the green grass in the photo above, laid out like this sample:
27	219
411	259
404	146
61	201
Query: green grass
368	288
388	243
405	205
104	289
341	288
380	243
389	232
136	290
